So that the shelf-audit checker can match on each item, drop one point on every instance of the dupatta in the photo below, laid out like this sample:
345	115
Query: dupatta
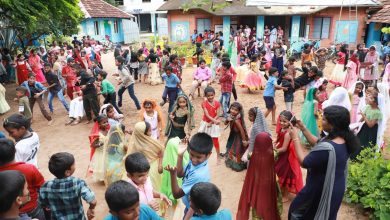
307	115
259	190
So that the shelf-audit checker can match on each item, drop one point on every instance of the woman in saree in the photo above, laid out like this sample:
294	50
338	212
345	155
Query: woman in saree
142	141
170	158
259	195
116	148
35	63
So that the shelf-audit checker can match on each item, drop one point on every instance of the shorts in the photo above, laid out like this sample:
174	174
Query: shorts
289	97
269	102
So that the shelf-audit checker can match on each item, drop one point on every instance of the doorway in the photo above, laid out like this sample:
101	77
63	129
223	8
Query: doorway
107	28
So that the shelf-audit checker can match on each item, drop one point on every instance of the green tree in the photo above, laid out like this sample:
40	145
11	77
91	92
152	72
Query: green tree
30	19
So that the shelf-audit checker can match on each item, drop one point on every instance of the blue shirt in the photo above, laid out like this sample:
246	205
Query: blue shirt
171	81
192	175
223	214
146	213
270	87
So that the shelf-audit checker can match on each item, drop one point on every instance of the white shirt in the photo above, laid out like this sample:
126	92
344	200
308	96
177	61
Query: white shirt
27	149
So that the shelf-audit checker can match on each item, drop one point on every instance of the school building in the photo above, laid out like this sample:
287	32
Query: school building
334	21
379	17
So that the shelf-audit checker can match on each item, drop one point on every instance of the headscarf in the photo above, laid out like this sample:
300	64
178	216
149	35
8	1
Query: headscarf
338	97
191	110
93	136
259	125
307	115
259	190
155	107
42	53
140	142
170	158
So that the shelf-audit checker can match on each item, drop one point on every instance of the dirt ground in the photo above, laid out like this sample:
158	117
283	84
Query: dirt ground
74	139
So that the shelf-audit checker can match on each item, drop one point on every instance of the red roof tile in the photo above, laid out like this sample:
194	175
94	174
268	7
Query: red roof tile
101	9
383	15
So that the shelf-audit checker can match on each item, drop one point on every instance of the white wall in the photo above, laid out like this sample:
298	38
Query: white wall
137	6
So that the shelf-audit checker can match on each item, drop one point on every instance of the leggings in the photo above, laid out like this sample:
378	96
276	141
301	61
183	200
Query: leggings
216	143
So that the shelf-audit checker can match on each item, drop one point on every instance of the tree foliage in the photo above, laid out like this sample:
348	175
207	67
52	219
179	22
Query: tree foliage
33	18
211	5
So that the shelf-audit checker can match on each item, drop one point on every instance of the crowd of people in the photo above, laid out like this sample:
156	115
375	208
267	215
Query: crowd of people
147	169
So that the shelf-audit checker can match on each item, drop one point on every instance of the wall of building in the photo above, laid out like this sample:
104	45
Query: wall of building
106	27
191	17
334	13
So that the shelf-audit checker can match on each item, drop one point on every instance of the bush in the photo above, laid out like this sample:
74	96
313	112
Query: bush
369	183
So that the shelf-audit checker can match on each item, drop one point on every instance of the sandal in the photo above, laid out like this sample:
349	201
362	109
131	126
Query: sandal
77	121
70	121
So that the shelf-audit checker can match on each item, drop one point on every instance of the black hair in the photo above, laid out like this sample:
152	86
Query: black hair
209	89
11	184
172	58
47	64
314	69
225	59
272	70
151	50
120	59
168	68
16	121
206	197
108	108
147	102
361	92
323	83
226	64
101	117
339	118
201	143
136	163
254	58
225	55
59	163
147	127
103	74
253	111
21	89
344	49
319	73
31	74
288	115
284	73
308	63
7	151
115	198
202	61
76	66
292	59
165	52
263	52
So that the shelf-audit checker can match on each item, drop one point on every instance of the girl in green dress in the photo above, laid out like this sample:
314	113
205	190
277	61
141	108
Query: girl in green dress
181	115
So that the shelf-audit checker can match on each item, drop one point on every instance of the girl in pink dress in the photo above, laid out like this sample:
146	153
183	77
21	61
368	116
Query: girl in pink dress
357	96
338	73
35	63
352	71
371	72
253	79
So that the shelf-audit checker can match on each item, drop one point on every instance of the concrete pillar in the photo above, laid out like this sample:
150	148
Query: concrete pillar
260	27
153	22
226	31
295	26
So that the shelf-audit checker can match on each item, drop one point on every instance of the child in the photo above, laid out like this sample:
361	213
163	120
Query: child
306	56
134	65
287	166
143	66
321	57
107	90
172	82
205	199
269	93
164	61
352	71
76	107
291	67
175	65
27	143
24	105
259	196
202	78
322	93
22	69
112	114
197	170
33	177
237	142
308	115
154	75
210	121
63	194
151	113
226	82
357	99
126	207
288	83
338	73
182	114
55	88
137	168
97	139
215	64
4	107
253	80
14	194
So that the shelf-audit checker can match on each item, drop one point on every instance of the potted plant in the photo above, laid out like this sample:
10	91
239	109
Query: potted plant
181	53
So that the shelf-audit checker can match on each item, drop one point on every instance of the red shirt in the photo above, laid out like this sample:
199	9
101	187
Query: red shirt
212	110
69	75
34	181
226	81
233	72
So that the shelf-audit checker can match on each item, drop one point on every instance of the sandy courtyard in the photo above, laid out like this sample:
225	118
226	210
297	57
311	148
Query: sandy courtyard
74	139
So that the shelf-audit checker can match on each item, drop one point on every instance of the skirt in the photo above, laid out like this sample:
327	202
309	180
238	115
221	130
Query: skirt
211	129
154	76
143	68
252	82
338	73
98	164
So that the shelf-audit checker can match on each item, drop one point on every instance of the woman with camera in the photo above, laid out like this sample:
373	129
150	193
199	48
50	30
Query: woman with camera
326	166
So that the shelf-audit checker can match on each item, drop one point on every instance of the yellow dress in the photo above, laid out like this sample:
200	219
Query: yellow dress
97	164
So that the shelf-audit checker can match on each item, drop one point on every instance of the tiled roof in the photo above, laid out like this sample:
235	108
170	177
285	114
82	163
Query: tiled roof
101	9
383	15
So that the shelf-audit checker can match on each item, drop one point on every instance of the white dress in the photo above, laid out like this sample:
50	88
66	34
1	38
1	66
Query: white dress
76	108
153	121
4	107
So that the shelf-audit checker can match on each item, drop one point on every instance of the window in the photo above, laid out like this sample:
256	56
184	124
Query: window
146	0
116	27
119	2
96	25
302	27
203	24
321	28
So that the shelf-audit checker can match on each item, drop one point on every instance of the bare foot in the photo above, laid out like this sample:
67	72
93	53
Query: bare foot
50	122
273	123
70	121
88	122
284	200
76	122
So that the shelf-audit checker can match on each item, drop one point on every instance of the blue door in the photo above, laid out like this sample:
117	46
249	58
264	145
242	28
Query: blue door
346	31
